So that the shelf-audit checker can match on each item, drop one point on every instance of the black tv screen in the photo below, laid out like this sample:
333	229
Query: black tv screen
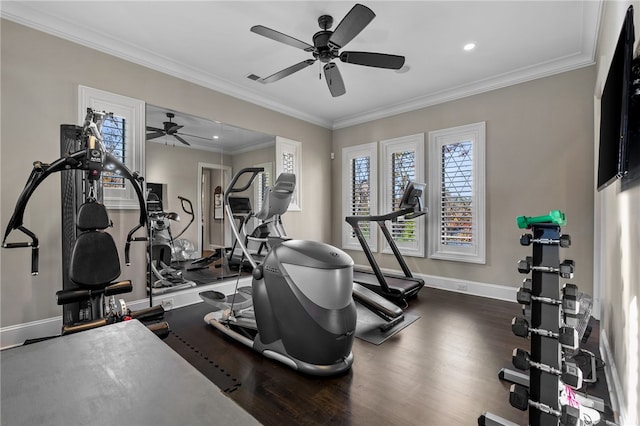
614	109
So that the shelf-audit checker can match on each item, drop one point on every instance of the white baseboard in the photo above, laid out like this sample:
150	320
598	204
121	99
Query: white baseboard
491	291
15	335
616	393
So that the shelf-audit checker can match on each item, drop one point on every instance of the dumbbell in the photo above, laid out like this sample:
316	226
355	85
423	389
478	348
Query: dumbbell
570	305
570	299
519	398
567	336
555	216
570	374
564	241
565	270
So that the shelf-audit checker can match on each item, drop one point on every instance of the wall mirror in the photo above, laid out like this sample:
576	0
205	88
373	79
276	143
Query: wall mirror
194	159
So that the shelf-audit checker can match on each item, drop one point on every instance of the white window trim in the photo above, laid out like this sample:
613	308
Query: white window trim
133	111
284	145
405	143
349	242
476	134
257	196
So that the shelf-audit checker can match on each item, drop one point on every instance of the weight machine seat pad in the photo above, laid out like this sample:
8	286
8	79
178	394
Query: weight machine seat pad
80	294
94	260
70	296
92	216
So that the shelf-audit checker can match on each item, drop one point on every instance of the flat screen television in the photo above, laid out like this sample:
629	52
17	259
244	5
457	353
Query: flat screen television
614	109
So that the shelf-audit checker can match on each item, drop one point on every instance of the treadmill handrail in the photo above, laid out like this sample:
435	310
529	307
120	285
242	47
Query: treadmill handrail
354	221
384	217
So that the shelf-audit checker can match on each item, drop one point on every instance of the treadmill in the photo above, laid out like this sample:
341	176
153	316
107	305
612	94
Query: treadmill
395	287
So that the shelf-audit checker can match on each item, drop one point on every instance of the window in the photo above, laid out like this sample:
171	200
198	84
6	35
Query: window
288	160
457	192
125	135
403	161
263	181
359	192
113	134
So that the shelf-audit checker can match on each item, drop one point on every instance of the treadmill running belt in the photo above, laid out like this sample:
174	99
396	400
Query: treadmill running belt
404	283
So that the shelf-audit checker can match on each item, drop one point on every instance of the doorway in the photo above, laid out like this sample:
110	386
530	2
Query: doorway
213	228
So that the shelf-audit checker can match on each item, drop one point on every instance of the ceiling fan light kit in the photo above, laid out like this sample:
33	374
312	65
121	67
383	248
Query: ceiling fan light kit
326	46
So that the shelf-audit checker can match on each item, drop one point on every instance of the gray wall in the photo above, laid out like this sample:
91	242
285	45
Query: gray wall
177	167
539	157
40	78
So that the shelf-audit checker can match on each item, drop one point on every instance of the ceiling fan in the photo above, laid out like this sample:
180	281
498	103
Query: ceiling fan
326	46
171	129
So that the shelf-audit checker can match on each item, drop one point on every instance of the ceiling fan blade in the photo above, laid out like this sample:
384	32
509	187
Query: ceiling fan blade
154	129
282	38
182	140
194	136
287	71
173	128
334	80
355	21
369	59
154	135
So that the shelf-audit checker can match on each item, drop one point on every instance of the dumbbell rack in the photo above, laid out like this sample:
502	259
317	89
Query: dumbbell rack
543	387
544	266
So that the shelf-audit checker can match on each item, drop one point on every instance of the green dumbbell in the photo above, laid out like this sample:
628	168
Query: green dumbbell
555	216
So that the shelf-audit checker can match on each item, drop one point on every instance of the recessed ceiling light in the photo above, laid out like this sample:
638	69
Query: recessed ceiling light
216	136
469	46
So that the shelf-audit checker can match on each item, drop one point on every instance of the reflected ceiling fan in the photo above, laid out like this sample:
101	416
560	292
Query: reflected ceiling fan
170	129
326	45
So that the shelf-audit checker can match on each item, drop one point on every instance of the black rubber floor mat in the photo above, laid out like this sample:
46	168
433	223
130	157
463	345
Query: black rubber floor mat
194	341
208	275
368	326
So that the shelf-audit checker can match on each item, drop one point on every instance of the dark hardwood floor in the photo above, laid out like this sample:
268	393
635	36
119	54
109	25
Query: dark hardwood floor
441	370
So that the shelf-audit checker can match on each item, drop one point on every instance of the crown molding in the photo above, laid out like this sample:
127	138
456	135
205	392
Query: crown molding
21	13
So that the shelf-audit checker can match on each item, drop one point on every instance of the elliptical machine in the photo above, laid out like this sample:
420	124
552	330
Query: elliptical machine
164	277
275	203
299	309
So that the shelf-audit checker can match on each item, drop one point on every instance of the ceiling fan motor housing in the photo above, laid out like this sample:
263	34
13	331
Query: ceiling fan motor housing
323	52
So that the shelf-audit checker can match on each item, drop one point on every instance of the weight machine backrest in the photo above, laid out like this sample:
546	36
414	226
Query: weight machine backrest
94	259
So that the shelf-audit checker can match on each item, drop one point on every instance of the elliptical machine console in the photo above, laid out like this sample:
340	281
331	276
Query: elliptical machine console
299	309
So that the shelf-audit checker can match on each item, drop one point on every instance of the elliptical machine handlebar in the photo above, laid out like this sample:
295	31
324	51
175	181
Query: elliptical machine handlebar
187	207
186	201
231	189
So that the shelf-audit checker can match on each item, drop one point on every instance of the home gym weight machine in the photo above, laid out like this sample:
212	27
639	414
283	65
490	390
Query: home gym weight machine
548	392
90	262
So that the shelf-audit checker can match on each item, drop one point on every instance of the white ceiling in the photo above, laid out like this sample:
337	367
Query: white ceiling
209	43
